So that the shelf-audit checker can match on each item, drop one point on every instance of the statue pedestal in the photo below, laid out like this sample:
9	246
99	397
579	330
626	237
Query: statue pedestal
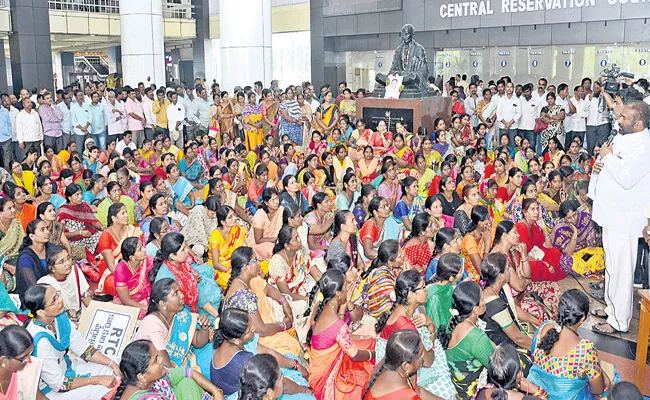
412	112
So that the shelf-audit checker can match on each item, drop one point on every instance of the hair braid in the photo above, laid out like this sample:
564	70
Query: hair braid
373	378
223	298
120	389
319	310
311	297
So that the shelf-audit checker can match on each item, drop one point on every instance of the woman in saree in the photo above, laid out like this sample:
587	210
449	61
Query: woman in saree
320	215
226	115
377	228
487	193
409	206
418	245
141	207
180	335
553	114
131	276
200	224
66	153
508	193
467	347
88	375
181	187
229	198
368	166
115	196
25	212
407	314
340	366
146	377
82	229
75	165
525	292
256	188
110	243
404	156
424	174
565	365
69	282
129	188
247	291
158	208
575	235
390	187
270	113
191	169
223	240
294	275
549	264
317	145
348	105
176	260
25	179
378	289
326	116
19	374
47	213
55	161
529	191
11	238
449	273
252	122
235	343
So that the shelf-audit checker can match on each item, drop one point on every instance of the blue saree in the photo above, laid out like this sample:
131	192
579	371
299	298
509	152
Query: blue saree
179	346
181	189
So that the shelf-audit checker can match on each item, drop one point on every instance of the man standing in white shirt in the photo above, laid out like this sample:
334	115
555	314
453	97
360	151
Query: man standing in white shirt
501	92
598	126
580	110
29	130
115	117
202	107
508	114
540	94
191	120
470	104
175	117
149	116
620	188
529	112
563	100
66	125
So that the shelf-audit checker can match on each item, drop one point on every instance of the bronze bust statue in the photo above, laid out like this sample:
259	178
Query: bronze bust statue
409	61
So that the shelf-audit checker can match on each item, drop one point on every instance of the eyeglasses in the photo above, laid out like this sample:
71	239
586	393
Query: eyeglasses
63	261
253	261
24	359
55	299
420	288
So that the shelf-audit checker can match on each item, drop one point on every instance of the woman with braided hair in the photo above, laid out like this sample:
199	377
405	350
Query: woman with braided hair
247	291
408	313
260	379
419	245
379	287
505	379
467	347
566	366
393	378
145	377
236	342
441	288
340	367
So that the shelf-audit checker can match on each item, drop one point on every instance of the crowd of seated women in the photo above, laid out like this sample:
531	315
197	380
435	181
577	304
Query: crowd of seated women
364	264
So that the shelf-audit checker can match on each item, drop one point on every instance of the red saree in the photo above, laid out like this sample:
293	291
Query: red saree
552	256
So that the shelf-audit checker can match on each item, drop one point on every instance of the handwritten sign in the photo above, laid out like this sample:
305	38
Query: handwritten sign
109	327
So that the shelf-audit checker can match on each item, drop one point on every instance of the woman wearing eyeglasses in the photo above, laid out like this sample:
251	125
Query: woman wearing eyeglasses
16	346
68	279
90	374
31	260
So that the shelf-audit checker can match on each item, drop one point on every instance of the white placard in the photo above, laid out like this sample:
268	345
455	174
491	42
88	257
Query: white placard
109	327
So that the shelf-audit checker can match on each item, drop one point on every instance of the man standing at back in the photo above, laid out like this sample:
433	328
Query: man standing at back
81	119
508	114
620	188
51	116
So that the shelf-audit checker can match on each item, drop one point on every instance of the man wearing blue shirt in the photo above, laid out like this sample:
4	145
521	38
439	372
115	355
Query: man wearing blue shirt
81	120
98	121
5	133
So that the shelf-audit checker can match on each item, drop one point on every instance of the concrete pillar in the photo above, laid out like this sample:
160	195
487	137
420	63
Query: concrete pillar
203	57
4	87
115	60
67	67
246	54
30	45
142	42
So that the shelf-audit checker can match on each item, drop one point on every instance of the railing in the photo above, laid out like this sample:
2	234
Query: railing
4	3
93	63
171	8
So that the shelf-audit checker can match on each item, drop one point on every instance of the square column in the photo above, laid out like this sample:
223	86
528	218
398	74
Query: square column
30	45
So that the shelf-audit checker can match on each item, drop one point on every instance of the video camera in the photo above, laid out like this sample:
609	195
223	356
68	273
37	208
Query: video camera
611	84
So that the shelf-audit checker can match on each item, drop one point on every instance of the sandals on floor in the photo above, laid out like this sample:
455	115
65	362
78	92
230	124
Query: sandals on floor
597	285
597	313
598	329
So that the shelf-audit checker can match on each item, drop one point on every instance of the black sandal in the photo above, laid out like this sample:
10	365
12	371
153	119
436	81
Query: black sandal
598	329
596	313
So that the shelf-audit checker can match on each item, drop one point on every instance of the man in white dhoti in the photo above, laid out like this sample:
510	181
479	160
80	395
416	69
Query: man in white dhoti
620	188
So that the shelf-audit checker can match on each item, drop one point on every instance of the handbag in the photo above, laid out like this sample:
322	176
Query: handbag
539	125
